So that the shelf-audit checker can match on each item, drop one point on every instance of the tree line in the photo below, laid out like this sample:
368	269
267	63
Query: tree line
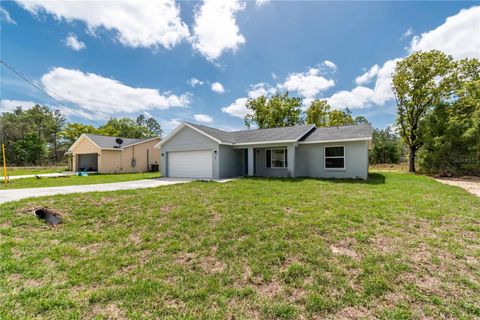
41	136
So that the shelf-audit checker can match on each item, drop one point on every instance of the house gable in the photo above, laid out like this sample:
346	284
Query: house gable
187	138
84	145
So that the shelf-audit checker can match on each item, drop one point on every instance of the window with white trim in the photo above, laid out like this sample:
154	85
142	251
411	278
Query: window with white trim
335	157
276	158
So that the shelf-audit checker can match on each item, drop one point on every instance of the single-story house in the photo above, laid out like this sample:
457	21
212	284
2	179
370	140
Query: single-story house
104	154
198	151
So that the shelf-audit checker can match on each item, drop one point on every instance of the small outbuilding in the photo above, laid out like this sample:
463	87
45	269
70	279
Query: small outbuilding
105	154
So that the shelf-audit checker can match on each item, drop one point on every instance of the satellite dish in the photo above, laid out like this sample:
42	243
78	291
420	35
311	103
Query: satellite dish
119	141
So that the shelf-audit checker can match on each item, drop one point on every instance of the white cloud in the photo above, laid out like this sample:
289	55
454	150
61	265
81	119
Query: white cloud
145	23
237	108
217	87
5	16
203	118
260	89
330	64
104	96
72	42
307	84
367	76
194	82
174	122
458	36
407	33
361	96
260	3
356	98
215	29
7	105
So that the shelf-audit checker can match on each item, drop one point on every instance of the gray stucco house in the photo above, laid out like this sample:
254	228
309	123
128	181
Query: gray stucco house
197	151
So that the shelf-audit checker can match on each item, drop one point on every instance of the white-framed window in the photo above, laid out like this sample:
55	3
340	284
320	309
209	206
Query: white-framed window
334	157
276	158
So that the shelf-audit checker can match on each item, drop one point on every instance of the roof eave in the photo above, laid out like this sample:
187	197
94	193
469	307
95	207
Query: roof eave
144	141
337	140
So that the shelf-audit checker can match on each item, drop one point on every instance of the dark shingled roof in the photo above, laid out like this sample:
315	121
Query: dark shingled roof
306	133
109	142
358	131
224	136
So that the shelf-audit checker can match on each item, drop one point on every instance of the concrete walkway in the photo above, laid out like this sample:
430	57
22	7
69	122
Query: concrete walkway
18	194
43	175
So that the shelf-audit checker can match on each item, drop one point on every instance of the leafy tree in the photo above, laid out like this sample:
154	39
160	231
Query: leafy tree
31	150
318	113
154	127
140	120
56	123
124	127
452	135
360	120
340	118
420	81
386	146
20	128
72	131
279	110
151	124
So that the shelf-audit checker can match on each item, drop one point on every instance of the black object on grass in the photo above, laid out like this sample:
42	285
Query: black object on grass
50	217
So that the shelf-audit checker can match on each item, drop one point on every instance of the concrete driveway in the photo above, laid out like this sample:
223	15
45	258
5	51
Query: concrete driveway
42	175
18	194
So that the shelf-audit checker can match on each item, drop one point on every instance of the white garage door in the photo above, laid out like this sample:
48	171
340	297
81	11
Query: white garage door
190	164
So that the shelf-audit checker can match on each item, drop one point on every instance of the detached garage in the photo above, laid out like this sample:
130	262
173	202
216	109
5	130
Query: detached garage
106	154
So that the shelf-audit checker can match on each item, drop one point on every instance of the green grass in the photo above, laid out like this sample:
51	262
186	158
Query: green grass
397	246
19	171
75	180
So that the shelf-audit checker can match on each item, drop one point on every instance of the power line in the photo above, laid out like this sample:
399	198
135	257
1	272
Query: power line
25	78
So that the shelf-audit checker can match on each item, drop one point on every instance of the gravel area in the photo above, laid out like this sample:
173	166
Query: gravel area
471	184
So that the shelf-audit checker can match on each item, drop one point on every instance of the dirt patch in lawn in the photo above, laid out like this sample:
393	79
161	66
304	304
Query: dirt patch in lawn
348	313
345	248
167	208
110	311
469	183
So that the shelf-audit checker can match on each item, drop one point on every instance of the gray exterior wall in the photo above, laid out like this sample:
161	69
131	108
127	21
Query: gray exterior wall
310	161
231	162
261	168
188	139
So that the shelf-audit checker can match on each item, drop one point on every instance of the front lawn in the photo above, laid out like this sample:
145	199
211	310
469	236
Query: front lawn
20	171
398	246
75	180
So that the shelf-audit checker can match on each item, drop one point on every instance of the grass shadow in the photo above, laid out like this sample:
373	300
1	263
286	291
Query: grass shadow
373	178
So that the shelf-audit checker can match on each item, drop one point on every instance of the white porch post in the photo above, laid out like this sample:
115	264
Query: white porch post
251	161
291	160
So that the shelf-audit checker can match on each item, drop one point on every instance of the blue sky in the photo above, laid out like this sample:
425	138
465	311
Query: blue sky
200	61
